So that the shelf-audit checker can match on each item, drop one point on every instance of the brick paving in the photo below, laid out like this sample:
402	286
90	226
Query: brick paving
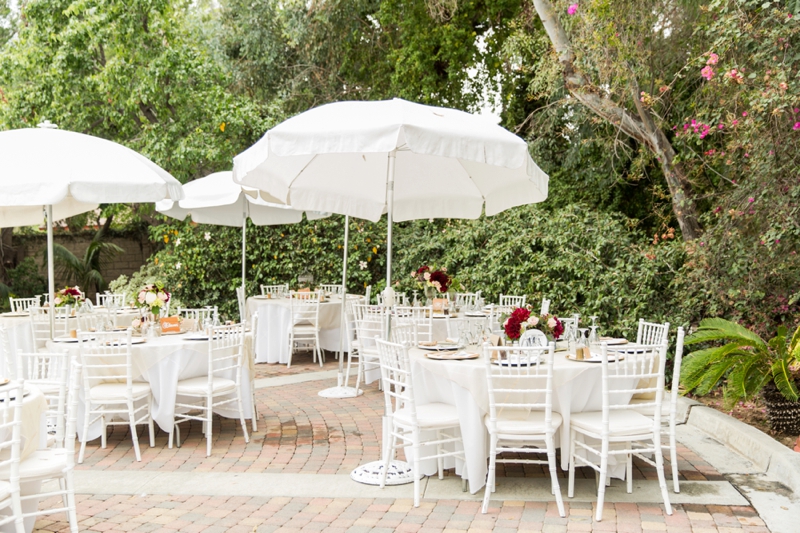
300	432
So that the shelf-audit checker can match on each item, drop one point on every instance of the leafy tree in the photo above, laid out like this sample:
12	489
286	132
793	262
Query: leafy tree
86	271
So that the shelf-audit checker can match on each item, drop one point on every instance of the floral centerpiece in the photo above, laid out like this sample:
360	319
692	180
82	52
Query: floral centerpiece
432	281
152	297
521	319
68	296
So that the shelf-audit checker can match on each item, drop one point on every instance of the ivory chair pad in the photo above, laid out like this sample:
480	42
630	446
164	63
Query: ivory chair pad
524	423
619	422
5	490
118	391
429	415
199	386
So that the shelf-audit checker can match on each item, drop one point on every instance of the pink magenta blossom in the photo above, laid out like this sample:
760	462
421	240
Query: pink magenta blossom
707	72
572	9
796	126
735	122
720	126
712	59
796	110
744	113
751	200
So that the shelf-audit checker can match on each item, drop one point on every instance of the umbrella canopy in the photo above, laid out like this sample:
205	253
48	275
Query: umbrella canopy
217	199
449	164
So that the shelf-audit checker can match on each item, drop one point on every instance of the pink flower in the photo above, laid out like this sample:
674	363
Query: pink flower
533	320
552	322
796	126
712	59
572	9
744	113
707	72
735	122
746	154
751	200
796	110
720	126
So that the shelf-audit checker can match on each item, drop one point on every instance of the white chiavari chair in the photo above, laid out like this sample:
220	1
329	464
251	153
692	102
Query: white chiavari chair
619	424
304	324
405	334
40	326
467	300
521	410
669	411
407	419
249	360
652	333
11	449
49	372
371	322
420	317
276	291
11	363
220	387
331	289
509	301
92	321
109	388
56	463
20	305
201	315
368	294
241	300
116	300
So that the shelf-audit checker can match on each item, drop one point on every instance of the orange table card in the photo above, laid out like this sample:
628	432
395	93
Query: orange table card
170	324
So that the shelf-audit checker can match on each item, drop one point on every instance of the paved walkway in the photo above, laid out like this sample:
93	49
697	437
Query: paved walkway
294	476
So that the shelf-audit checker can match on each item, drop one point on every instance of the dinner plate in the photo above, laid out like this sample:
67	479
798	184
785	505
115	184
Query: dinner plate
16	313
441	347
452	356
613	341
134	340
514	360
4	381
596	358
197	337
476	314
67	338
439	316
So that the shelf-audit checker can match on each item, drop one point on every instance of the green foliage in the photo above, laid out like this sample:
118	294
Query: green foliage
148	274
24	281
86	271
746	363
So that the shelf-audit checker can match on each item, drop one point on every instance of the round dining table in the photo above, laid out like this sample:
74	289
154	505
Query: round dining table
577	387
274	318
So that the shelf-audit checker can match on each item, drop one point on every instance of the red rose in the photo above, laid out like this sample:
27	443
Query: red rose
520	314
421	270
442	278
559	329
512	328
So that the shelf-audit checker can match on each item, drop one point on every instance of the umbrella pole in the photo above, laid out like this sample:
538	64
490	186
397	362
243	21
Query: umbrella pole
51	277
341	390
399	472
244	243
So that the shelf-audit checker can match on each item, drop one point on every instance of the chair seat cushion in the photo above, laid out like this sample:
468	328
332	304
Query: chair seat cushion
5	490
650	410
429	415
117	391
518	422
43	463
199	386
623	422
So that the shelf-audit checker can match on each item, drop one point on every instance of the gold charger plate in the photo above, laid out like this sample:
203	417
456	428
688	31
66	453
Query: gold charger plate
452	356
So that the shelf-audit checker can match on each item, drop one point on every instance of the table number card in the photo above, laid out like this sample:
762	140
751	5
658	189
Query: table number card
439	305
170	324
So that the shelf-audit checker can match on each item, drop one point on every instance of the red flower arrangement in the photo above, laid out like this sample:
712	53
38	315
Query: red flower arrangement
438	279
521	319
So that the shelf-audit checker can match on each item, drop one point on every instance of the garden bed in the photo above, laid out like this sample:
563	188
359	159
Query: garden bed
751	413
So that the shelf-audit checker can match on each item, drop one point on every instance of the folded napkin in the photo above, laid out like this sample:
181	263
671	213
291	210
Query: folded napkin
428	343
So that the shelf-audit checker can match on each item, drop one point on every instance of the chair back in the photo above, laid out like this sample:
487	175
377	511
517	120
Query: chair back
520	380
40	327
92	321
20	305
368	294
652	333
106	358
635	370
398	390
225	352
304	308
420	317
331	289
370	322
200	314
49	372
405	334
111	300
467	300
507	300
11	366
277	291
11	431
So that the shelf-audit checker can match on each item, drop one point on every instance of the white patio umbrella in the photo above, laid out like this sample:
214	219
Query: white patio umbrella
65	173
408	160
217	199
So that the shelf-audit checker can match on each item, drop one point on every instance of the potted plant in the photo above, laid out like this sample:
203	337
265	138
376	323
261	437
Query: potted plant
748	365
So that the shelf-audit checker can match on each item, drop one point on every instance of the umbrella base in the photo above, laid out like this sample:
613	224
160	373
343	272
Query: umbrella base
370	473
340	392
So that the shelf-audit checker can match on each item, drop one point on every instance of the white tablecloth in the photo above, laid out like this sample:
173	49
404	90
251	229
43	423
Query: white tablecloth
164	361
577	388
272	337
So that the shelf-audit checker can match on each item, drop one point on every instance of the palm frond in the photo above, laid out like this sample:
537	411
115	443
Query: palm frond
70	267
696	364
784	380
712	329
714	375
794	346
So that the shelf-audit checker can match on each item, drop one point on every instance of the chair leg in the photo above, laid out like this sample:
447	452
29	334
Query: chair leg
291	349
209	424
87	413
389	455
241	414
150	425
551	463
629	472
673	457
254	414
571	483
490	475
16	506
415	463
134	435
71	512
601	485
439	459
103	433
662	482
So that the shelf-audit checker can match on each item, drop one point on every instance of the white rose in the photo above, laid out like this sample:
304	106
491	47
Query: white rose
551	322
427	276
533	320
150	298
58	301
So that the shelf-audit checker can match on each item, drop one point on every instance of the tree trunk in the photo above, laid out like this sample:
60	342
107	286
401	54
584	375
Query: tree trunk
641	128
6	253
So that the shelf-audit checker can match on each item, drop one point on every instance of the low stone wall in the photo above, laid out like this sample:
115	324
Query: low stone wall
136	251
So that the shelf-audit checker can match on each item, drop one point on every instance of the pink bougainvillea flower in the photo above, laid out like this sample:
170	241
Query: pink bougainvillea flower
720	126
744	113
707	72
572	9
751	200
746	154
796	110
734	122
796	126
712	59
